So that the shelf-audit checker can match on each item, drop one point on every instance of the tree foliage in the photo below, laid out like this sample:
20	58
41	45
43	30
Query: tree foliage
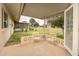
57	22
33	23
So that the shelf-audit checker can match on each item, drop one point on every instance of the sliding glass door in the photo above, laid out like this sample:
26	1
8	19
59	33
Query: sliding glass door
69	28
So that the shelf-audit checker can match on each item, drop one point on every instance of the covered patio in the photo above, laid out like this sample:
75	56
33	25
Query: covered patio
45	11
43	48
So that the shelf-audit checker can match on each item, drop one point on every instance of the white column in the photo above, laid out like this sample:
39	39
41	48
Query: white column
75	28
65	29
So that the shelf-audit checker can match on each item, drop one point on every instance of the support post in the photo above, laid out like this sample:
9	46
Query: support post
44	35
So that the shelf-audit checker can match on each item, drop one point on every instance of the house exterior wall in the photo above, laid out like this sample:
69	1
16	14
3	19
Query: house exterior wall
5	33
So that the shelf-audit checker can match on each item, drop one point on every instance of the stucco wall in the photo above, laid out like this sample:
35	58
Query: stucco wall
5	33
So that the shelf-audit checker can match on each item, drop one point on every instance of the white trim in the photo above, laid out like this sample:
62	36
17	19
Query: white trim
75	28
64	27
68	8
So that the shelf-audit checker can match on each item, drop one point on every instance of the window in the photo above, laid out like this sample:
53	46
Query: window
4	20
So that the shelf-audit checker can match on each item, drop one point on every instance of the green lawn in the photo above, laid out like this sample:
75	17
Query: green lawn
56	32
16	36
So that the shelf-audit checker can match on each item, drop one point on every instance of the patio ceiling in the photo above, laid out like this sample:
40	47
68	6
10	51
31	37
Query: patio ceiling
14	9
37	10
42	10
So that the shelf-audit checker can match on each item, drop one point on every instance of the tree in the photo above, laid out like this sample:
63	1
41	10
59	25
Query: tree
57	22
33	23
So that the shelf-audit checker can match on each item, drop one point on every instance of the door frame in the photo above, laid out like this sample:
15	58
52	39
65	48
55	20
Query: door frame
66	10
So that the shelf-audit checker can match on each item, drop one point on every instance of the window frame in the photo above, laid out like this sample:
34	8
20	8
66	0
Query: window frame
4	19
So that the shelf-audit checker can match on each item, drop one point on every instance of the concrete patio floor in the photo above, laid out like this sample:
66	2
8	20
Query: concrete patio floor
34	49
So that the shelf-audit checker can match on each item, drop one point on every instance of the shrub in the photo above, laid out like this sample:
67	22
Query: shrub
61	36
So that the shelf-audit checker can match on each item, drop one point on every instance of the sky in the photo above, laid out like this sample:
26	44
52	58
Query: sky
27	18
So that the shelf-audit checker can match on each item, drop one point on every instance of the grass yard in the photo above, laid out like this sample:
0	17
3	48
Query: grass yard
16	36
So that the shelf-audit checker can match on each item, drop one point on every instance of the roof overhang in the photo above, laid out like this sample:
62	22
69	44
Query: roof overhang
43	10
15	10
36	10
